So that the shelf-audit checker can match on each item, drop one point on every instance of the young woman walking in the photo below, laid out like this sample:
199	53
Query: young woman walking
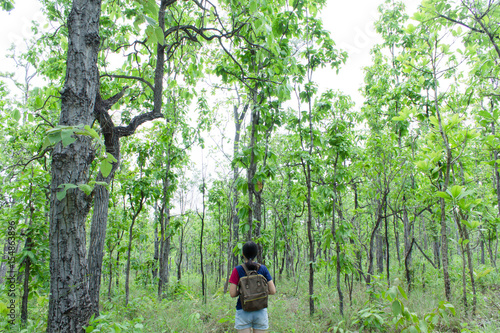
256	320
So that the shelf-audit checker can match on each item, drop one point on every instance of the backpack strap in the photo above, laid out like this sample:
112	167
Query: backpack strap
246	270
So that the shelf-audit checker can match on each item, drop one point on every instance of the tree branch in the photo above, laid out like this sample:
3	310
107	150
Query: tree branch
129	77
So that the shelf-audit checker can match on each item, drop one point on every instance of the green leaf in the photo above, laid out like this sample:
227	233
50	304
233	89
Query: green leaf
485	114
393	293
150	20
450	307
46	143
61	194
105	167
401	290
54	137
396	308
3	308
412	329
91	132
86	188
159	35
456	190
253	6
16	115
150	31
443	195
67	137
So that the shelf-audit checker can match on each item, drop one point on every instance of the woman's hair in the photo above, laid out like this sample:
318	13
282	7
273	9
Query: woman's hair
250	251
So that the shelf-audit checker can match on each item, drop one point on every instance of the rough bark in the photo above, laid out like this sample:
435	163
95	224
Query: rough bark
101	200
70	304
112	137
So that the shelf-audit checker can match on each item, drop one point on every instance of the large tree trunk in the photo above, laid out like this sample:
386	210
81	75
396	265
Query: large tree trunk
70	304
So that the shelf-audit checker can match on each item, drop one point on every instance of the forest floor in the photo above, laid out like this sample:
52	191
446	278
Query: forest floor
185	311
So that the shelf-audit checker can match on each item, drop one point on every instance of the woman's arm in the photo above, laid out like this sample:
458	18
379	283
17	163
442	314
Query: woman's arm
233	290
272	287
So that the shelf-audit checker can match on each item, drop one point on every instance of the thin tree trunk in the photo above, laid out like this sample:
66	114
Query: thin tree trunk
238	120
407	264
129	249
387	248
110	274
157	250
202	217
337	251
380	252
444	187
407	239
372	237
164	225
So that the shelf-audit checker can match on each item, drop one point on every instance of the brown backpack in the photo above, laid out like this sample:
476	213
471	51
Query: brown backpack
253	290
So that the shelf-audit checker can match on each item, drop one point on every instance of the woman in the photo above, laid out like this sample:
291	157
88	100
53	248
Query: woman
256	320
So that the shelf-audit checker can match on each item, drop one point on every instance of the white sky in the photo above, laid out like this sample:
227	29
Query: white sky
350	23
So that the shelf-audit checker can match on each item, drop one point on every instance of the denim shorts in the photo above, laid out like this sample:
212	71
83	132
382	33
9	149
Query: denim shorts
256	319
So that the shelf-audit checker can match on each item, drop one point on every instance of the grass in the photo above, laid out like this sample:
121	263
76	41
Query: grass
183	310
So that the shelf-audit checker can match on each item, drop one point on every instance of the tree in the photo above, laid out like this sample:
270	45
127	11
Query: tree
70	304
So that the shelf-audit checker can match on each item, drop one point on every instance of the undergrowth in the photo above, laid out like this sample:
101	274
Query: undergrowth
381	308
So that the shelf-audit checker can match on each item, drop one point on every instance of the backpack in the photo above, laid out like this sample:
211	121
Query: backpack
253	290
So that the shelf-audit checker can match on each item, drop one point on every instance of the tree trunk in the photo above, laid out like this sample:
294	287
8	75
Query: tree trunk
70	304
407	264
129	249
252	166
396	235
372	237
444	187
407	239
156	254
380	252
98	234
238	120
437	256
164	225
179	263
27	271
337	251
202	217
110	274
387	248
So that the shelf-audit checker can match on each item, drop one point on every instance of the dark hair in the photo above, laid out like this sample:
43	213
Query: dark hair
250	251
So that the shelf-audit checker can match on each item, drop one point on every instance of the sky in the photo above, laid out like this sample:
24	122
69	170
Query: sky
351	24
